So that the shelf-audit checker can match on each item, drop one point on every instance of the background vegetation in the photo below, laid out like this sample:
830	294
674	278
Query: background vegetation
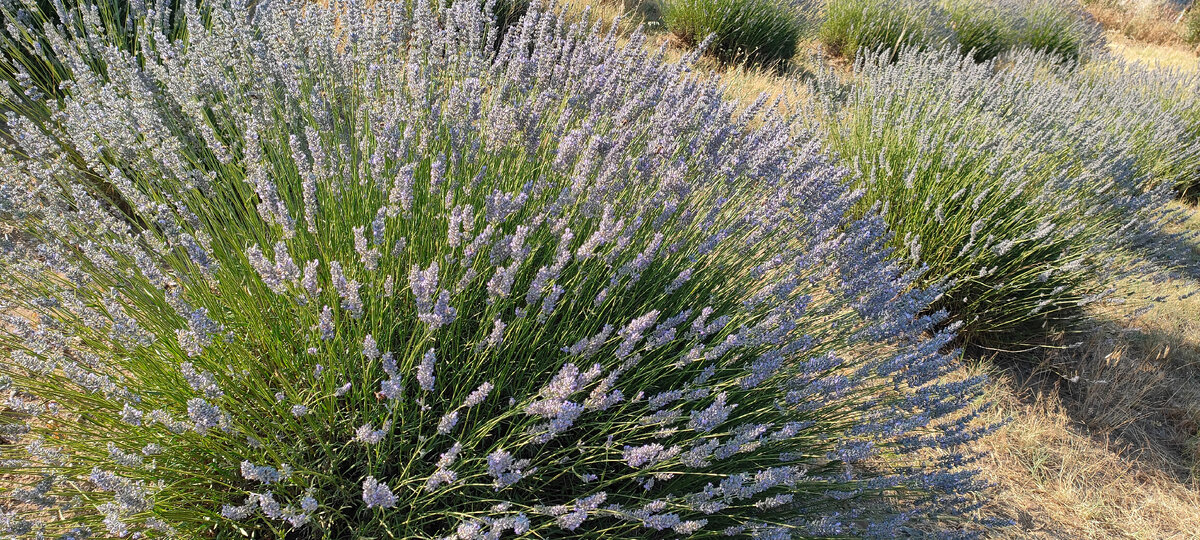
851	26
987	27
1010	186
757	32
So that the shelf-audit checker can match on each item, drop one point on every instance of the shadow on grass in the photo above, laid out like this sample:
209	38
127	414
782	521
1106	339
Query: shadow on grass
1133	385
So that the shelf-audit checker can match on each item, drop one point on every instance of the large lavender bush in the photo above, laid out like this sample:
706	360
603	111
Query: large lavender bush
332	272
1061	28
983	29
1020	188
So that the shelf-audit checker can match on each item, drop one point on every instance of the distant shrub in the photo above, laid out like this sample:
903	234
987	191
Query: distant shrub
987	27
1011	187
371	279
1191	24
757	32
1058	27
851	26
982	27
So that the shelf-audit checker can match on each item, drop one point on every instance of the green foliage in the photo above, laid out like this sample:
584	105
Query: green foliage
982	28
1058	27
758	32
508	12
989	28
851	26
1191	24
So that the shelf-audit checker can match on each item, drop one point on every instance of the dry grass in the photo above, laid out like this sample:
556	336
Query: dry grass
1146	31
1055	479
1136	382
1172	56
1145	23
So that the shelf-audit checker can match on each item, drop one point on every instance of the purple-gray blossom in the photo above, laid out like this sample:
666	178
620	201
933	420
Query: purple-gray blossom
425	375
376	494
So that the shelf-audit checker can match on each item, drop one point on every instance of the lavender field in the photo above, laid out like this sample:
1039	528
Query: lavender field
463	269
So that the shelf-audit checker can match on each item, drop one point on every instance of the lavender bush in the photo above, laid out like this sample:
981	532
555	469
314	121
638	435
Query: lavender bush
983	28
1062	28
756	32
329	272
1158	109
854	27
1014	187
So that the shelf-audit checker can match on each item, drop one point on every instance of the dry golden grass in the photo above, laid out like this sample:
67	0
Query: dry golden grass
1055	479
1147	23
1148	32
1172	56
1136	382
